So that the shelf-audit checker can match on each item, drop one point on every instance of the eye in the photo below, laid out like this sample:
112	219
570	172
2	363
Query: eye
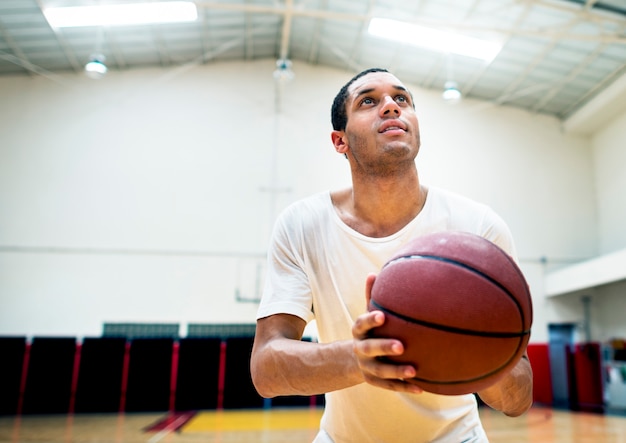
367	101
402	98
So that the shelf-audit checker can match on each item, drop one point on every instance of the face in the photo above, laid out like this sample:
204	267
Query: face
382	130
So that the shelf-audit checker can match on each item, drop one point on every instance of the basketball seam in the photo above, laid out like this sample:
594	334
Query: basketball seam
471	269
451	328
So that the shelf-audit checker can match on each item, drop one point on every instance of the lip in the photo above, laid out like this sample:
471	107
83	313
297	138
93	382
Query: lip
392	126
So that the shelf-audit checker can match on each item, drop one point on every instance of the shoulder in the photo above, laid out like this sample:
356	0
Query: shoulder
469	215
457	205
444	196
313	206
303	215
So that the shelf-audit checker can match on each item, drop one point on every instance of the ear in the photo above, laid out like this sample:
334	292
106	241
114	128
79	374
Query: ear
339	140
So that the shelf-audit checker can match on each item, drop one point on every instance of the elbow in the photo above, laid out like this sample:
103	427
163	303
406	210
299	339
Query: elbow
521	396
524	401
521	410
262	388
513	396
260	380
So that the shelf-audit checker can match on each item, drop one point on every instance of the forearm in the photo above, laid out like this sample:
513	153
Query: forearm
513	395
292	367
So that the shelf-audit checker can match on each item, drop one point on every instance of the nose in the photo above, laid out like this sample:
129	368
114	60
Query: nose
389	107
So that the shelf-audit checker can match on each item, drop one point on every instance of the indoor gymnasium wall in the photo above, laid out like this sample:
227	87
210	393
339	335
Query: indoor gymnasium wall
609	301
149	196
606	302
609	158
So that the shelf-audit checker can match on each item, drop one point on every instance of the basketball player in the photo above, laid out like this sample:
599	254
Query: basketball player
323	254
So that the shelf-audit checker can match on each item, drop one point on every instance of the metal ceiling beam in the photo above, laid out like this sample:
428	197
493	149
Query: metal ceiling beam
69	55
248	47
570	76
205	36
18	53
599	107
398	48
332	47
164	55
313	52
600	6
286	31
446	61
605	83
277	21
118	56
281	10
591	14
30	67
359	37
316	13
530	67
202	58
478	75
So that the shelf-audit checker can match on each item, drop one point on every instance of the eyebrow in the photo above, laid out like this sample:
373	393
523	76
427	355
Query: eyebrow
368	90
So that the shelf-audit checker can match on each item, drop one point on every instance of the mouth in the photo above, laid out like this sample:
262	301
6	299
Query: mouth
392	125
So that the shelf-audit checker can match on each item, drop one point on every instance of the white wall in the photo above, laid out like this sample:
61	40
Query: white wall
607	301
143	197
609	160
609	149
609	306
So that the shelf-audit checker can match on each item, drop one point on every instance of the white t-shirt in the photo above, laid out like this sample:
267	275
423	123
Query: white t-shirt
317	266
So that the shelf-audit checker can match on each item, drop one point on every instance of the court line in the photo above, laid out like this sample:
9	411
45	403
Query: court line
169	429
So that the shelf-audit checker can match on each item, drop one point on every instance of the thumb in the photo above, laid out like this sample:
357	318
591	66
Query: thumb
369	283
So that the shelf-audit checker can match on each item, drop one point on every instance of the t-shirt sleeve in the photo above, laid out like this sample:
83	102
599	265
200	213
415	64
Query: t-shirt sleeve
287	289
496	230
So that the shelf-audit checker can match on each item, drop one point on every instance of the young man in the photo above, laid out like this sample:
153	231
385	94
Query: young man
324	254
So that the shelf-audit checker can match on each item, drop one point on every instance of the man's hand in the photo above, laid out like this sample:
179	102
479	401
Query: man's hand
370	352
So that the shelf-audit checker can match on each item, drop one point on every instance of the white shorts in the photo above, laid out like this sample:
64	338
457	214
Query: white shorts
477	437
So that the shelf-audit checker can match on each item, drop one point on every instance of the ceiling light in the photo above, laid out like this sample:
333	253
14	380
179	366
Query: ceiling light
96	68
451	92
122	14
283	70
434	39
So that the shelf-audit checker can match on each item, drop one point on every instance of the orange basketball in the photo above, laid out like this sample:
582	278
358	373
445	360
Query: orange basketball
461	307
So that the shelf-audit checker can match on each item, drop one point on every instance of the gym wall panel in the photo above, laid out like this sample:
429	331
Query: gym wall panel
49	375
539	356
197	380
149	375
588	376
239	392
99	384
12	350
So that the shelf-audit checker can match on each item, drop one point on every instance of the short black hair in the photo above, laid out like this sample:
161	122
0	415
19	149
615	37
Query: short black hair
338	114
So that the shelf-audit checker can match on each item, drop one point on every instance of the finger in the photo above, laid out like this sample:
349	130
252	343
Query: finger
394	384
378	347
390	376
371	354
364	323
379	371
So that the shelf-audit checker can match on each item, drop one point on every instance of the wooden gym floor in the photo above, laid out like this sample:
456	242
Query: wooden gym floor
539	425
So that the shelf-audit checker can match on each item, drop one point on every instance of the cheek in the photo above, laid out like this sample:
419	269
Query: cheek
357	143
417	130
360	130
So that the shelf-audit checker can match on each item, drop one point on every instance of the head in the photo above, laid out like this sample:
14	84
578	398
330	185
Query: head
374	122
338	113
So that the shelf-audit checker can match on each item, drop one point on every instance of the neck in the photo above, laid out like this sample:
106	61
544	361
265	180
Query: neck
381	207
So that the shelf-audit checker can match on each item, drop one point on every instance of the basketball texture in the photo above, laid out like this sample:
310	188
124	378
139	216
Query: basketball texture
461	307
